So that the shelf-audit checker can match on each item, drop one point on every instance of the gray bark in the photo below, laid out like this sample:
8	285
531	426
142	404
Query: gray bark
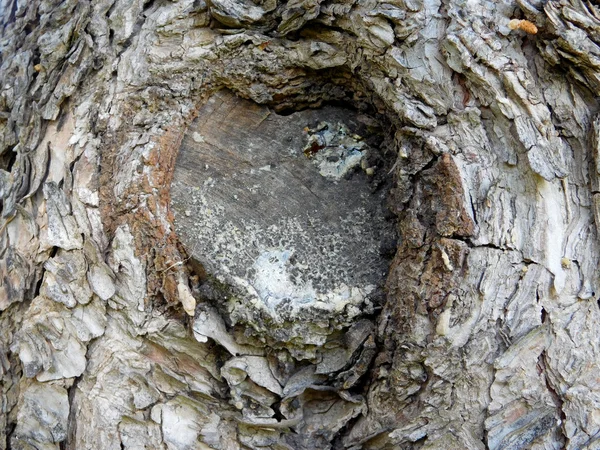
118	330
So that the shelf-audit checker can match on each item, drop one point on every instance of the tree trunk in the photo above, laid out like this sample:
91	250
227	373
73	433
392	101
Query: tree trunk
143	307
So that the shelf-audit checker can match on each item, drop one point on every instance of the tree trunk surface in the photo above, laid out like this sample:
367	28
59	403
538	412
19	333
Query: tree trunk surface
301	224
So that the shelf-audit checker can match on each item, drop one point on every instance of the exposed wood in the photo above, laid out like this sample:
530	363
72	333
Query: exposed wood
283	216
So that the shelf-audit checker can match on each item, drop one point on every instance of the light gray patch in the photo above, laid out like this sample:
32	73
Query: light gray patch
265	203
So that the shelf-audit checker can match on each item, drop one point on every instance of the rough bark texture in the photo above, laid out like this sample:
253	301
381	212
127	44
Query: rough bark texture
110	335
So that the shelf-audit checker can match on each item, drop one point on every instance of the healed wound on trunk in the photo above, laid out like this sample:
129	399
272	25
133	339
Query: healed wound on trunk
286	214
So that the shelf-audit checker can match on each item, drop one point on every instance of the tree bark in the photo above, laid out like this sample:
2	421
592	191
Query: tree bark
117	331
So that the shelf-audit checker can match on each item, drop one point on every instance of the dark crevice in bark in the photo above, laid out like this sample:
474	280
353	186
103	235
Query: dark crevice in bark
486	413
413	180
337	443
491	246
69	443
473	209
109	11
111	36
11	16
485	439
150	3
73	163
277	408
361	388
38	285
556	398
472	245
8	159
136	30
543	315
10	429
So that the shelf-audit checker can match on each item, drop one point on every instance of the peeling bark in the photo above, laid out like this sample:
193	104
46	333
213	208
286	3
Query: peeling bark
116	333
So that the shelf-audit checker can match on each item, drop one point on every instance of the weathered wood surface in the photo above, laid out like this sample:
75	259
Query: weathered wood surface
279	210
488	335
